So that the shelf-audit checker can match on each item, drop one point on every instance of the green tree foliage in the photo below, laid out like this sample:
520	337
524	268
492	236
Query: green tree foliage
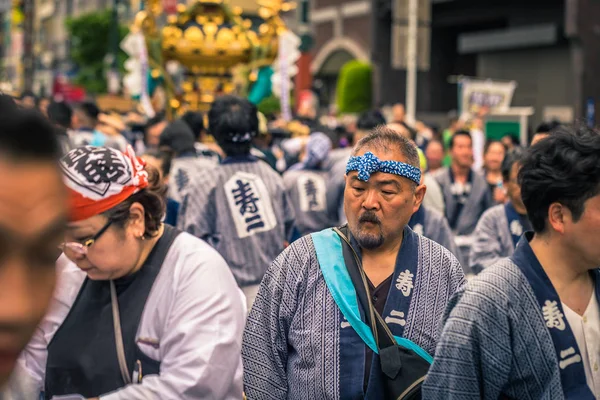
90	36
271	105
354	87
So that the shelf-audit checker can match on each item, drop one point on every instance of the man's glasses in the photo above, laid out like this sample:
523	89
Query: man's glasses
81	249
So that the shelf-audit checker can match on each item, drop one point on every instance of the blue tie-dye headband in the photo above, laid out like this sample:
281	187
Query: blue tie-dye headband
369	164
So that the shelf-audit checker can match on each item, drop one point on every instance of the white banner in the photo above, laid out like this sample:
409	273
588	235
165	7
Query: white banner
476	94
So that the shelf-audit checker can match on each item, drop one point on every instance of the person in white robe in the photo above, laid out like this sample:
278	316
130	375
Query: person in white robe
305	337
500	228
528	326
141	310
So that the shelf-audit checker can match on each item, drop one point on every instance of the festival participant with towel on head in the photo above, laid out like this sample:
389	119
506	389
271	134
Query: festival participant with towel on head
315	201
528	326
466	193
500	228
141	310
240	207
308	335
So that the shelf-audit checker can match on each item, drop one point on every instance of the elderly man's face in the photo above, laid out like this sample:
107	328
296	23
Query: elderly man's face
379	209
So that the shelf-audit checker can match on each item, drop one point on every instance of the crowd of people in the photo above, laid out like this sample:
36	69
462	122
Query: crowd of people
230	255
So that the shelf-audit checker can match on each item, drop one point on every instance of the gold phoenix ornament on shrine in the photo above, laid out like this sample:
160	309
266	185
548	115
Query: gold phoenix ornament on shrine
210	38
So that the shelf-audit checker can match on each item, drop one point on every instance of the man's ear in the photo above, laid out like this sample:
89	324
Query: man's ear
419	195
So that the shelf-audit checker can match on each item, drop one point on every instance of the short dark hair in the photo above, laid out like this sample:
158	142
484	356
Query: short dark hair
233	121
195	121
166	159
89	109
60	113
563	168
152	198
512	158
384	138
370	120
178	137
459	133
157	119
546	127
27	135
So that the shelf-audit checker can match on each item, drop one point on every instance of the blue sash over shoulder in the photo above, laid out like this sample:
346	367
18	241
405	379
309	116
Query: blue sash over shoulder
328	246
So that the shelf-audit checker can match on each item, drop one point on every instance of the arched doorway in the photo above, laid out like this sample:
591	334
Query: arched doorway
328	62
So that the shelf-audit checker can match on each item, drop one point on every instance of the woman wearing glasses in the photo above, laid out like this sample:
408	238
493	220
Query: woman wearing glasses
141	310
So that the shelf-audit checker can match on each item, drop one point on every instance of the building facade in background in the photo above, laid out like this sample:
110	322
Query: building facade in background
549	47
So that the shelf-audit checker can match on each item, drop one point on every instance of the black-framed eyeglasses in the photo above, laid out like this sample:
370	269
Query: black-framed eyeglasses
81	249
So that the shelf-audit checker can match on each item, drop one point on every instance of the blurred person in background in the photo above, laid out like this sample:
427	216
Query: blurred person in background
315	200
141	309
434	153
93	128
204	147
42	105
398	113
84	120
154	128
367	121
431	222
60	114
162	161
466	193
178	139
493	156
33	218
263	143
240	207
500	228
28	100
511	142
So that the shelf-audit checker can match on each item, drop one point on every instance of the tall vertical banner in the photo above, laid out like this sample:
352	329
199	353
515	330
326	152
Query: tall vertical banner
136	80
286	110
476	94
285	69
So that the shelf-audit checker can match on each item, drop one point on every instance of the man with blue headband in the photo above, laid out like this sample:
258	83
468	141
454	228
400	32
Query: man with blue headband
353	312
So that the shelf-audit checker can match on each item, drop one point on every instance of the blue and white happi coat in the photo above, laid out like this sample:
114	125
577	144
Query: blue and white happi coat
496	236
433	225
499	341
297	343
240	208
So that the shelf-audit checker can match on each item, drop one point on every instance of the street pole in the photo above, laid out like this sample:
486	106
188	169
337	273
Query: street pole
113	75
411	61
28	39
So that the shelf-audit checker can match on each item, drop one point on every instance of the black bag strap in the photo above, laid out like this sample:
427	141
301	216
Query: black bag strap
384	339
